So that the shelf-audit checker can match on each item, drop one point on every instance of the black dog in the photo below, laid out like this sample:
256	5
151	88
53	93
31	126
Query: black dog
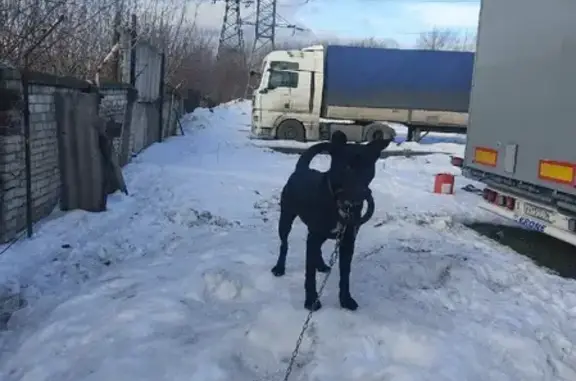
330	204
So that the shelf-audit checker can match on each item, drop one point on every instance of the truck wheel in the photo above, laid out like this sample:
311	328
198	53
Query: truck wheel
376	131
291	130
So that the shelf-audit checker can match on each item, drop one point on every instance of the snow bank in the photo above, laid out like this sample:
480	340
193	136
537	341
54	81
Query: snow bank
174	282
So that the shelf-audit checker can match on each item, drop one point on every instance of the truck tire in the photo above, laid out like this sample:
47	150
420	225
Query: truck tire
291	130
375	131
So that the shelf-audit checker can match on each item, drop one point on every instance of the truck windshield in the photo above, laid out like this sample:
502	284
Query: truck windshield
283	79
283	74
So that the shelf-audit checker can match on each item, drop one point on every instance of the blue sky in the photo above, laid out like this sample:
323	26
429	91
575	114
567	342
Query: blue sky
401	20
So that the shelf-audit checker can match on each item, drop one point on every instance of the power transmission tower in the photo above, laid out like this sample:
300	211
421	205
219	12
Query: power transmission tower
231	36
265	26
231	44
231	56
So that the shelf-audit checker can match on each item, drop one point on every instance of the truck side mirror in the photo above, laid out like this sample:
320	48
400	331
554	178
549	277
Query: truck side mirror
263	91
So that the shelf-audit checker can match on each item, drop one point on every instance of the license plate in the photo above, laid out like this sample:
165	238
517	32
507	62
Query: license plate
538	212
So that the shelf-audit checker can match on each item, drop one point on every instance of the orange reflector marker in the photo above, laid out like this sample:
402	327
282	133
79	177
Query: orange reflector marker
557	171
485	156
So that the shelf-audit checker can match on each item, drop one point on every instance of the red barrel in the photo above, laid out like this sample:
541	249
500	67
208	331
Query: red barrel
444	183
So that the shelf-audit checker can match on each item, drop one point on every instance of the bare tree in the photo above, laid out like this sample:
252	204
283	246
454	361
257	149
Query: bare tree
78	46
79	43
467	42
445	39
375	43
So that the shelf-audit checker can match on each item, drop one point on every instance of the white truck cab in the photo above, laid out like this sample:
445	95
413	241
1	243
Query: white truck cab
307	94
286	104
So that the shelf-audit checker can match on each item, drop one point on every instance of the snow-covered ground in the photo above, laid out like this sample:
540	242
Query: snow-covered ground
173	282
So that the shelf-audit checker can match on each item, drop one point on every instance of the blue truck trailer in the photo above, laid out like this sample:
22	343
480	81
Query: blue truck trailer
308	94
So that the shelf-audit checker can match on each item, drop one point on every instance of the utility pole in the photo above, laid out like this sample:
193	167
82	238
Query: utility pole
265	26
231	35
231	44
231	56
116	40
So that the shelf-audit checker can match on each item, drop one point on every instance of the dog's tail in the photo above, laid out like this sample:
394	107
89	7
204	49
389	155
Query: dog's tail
338	139
307	156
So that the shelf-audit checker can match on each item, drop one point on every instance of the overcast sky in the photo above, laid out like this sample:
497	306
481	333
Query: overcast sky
401	20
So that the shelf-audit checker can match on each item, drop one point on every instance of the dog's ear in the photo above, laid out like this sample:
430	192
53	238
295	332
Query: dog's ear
338	139
379	144
375	147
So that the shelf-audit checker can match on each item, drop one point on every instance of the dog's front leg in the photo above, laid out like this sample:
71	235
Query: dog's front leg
346	253
313	251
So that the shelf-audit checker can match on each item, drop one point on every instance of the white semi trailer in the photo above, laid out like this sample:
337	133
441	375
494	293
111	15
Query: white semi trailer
308	94
521	135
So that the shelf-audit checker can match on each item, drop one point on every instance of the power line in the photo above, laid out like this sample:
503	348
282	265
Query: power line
305	2
266	22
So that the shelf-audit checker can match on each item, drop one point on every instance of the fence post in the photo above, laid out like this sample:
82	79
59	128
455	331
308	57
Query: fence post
131	97
133	42
11	153
161	96
169	118
27	149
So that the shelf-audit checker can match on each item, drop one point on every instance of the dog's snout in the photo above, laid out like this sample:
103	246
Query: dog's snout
354	200
357	201
348	203
361	194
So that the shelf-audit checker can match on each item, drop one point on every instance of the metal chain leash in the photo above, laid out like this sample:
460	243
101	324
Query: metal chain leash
332	262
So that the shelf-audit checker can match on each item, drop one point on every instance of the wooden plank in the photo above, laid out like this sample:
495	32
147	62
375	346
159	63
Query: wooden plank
125	154
90	159
100	194
78	125
62	138
68	151
81	123
151	124
79	152
139	128
74	152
